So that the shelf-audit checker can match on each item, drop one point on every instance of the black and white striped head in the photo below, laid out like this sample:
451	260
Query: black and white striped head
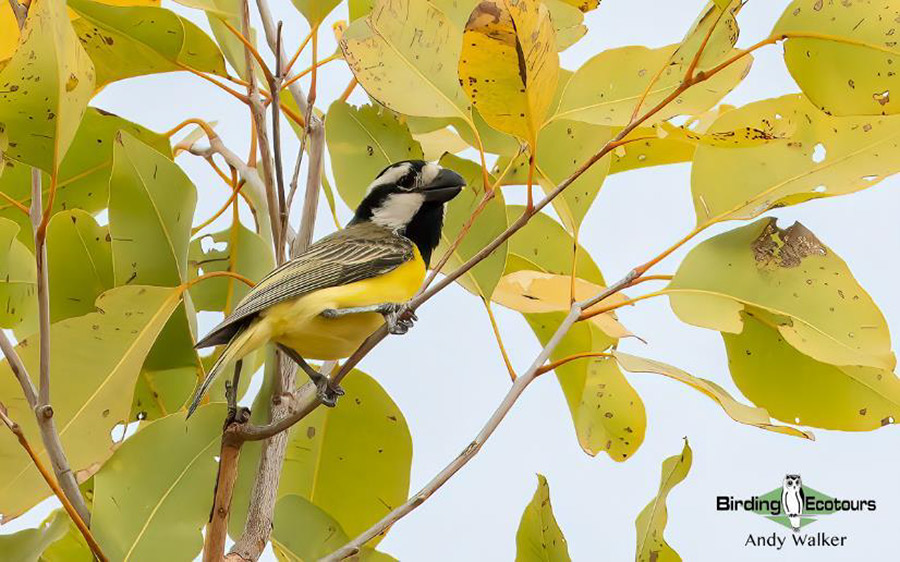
408	197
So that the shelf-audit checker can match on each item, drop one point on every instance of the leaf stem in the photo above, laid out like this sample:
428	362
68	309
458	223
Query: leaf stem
604	309
560	362
496	330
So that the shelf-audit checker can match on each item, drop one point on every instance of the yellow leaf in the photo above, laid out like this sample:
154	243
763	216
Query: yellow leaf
539	538
757	417
440	141
848	67
651	522
509	65
9	33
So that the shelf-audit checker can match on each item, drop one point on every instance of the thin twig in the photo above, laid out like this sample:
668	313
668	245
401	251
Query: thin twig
496	330
275	88
57	491
560	362
20	11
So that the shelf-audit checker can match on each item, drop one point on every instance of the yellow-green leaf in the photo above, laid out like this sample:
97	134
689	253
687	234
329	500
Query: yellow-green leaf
126	41
544	245
46	86
583	5
28	545
568	21
70	547
362	142
842	54
408	68
820	156
509	65
539	538
95	360
741	413
315	11
17	279
79	257
651	522
353	461
798	389
818	306
481	279
151	206
650	150
9	33
174	461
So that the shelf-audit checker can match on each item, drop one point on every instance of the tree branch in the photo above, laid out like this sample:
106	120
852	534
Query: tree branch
20	11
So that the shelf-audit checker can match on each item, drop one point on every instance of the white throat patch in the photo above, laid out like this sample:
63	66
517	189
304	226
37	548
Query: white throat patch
397	210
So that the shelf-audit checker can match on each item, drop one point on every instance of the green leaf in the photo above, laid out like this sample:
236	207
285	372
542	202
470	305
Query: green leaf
17	278
151	206
315	11
606	89
243	251
360	8
741	413
509	65
353	462
70	547
823	156
46	86
28	545
362	142
818	306
163	391
539	538
79	257
651	522
127	41
483	278
844	65
410	69
798	389
95	361
304	532
83	178
607	412
175	463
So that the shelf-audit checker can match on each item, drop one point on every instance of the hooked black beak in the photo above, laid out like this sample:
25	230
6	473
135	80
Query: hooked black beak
444	187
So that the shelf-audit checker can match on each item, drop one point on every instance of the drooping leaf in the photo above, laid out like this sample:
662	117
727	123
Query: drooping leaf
236	249
818	306
798	389
17	278
651	522
127	41
44	88
79	257
607	88
539	538
353	462
315	11
303	531
408	68
174	461
842	53
509	65
823	156
95	360
151	205
70	546
83	177
481	279
607	413
362	142
757	417
29	544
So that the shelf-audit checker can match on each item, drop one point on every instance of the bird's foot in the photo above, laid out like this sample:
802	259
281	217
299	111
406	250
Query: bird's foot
399	318
235	414
328	393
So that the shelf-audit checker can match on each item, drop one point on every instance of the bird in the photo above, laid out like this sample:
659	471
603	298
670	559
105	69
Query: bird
325	302
792	500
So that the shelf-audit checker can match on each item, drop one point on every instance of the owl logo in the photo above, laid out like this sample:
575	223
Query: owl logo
792	500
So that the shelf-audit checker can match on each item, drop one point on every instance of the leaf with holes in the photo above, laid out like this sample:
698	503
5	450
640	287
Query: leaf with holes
651	522
404	54
175	462
44	88
363	141
842	53
509	65
798	389
127	41
481	279
539	538
79	258
822	156
741	413
817	305
95	360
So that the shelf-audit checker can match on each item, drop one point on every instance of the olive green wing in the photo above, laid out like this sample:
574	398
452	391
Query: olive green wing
353	254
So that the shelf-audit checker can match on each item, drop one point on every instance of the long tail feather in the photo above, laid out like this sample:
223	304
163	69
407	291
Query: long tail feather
229	354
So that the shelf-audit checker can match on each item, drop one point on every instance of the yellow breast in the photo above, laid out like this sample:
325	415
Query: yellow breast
298	324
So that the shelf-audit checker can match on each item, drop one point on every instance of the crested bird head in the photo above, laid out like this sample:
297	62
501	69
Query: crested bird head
408	197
